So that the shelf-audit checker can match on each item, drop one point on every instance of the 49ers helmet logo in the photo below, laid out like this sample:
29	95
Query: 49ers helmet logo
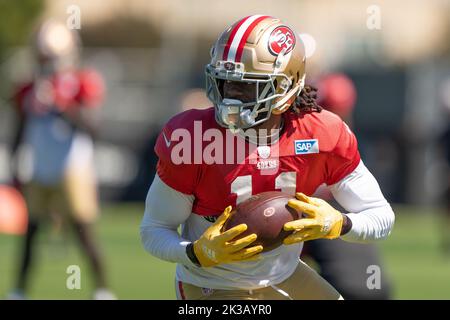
280	38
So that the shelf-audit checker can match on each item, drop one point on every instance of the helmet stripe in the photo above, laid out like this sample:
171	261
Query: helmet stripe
230	39
244	38
239	35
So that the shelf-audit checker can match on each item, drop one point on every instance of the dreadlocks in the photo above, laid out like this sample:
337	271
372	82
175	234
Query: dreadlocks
306	101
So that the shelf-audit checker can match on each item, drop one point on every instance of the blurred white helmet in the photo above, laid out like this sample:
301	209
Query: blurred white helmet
56	46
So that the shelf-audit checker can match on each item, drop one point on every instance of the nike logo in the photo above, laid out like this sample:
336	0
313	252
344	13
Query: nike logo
168	142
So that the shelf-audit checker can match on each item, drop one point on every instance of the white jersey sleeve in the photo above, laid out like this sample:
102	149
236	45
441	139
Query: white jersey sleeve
165	210
371	215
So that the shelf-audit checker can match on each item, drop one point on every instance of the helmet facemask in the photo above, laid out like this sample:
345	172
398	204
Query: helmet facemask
235	114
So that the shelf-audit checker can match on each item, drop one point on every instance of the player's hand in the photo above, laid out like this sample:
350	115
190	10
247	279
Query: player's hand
323	220
215	247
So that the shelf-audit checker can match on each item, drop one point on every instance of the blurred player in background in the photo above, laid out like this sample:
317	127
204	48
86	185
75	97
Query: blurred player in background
255	80
341	263
57	120
444	144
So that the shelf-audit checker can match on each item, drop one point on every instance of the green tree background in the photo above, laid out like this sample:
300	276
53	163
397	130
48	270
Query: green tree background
17	18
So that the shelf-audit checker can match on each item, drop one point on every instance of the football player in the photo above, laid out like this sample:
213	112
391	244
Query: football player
57	120
255	81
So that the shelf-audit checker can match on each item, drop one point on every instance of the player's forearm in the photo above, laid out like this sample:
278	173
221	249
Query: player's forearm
371	217
165	210
370	225
346	224
165	244
18	134
15	143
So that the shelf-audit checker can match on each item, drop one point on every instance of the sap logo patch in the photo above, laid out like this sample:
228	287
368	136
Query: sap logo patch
306	146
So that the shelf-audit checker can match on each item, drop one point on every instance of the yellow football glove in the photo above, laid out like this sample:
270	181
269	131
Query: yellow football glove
215	247
323	220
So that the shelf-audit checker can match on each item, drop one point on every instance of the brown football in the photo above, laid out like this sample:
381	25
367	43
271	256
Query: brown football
265	214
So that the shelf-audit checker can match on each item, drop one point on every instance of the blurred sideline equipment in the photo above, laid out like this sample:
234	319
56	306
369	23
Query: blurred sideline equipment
13	211
57	120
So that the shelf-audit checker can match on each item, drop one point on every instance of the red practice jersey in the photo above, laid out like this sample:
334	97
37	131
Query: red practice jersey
63	91
54	142
313	148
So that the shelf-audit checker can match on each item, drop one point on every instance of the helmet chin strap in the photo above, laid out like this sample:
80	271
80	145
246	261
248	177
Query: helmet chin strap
247	118
244	117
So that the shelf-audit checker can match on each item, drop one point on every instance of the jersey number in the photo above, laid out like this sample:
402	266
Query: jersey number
242	186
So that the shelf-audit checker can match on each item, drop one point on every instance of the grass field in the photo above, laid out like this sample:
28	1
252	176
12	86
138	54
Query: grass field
411	256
